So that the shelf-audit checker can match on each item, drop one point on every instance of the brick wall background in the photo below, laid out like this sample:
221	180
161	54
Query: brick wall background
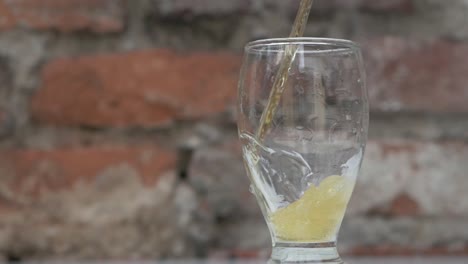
118	137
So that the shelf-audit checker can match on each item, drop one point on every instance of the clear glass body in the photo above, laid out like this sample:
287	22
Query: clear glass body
303	168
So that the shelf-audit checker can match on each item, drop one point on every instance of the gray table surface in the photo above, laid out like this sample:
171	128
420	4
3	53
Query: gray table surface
388	260
431	260
435	260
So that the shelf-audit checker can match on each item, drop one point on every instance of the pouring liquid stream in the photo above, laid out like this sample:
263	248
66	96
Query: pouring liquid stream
284	69
317	208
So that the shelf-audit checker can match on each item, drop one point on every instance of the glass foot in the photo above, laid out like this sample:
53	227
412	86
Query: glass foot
286	253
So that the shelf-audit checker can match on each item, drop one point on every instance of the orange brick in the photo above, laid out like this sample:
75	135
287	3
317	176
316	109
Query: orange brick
406	75
147	88
63	15
33	171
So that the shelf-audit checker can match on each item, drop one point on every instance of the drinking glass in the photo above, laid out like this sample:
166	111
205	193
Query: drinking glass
304	165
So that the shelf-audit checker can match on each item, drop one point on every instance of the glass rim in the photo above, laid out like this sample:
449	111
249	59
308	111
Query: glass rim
332	44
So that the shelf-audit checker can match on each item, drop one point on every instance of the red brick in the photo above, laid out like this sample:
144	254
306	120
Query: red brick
367	5
63	15
7	20
405	75
31	172
202	7
391	148
383	250
216	8
245	254
147	88
408	177
7	123
388	5
404	205
401	206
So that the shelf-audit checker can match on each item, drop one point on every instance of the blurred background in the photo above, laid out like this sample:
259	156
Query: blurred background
118	136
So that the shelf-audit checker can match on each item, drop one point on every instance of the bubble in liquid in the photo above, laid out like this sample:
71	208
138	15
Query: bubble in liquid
251	189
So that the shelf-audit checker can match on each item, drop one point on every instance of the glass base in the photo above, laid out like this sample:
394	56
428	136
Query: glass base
305	253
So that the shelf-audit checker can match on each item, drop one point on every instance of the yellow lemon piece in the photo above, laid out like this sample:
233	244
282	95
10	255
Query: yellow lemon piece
317	215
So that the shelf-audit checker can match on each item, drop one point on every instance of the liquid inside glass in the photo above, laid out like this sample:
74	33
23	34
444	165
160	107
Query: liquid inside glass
304	194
